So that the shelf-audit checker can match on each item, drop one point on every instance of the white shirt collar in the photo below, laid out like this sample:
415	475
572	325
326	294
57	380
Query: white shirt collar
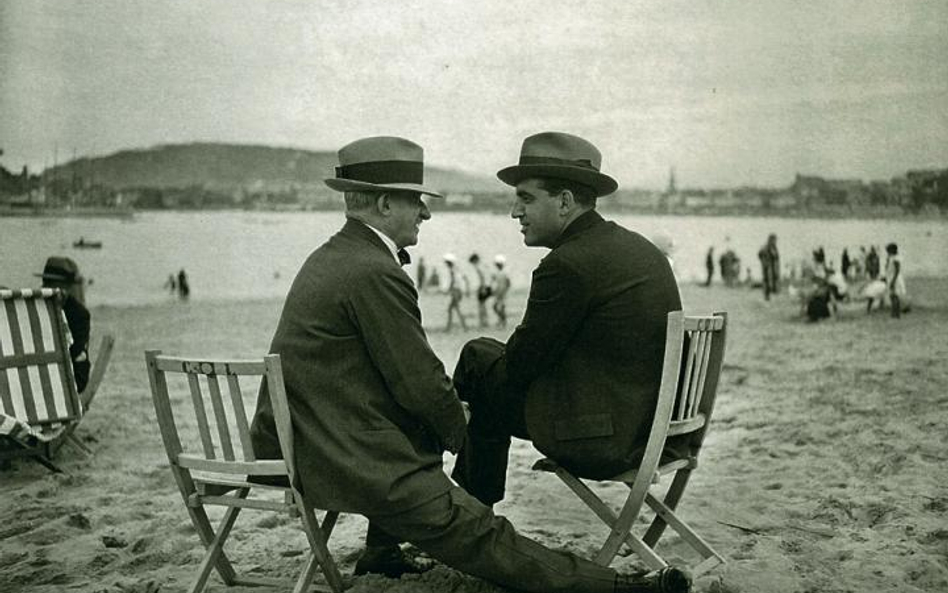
385	239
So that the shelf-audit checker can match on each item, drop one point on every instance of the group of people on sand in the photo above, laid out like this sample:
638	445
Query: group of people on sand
863	277
490	285
728	265
577	379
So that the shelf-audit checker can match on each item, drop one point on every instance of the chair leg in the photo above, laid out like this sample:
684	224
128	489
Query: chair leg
40	454
320	549
306	577
206	532
672	496
609	517
710	558
215	553
73	440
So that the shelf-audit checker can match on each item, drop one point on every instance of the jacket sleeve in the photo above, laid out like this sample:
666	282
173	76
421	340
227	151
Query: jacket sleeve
386	311
556	309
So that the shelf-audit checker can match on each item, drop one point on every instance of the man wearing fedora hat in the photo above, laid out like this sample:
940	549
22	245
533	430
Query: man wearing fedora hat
372	407
63	273
580	375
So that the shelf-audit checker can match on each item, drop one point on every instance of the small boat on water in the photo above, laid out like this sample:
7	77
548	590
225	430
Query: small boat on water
83	244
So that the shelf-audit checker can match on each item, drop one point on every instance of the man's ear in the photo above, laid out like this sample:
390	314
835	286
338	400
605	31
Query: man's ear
383	204
567	201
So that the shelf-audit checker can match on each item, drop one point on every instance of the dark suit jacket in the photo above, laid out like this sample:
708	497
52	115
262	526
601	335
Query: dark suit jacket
590	347
372	407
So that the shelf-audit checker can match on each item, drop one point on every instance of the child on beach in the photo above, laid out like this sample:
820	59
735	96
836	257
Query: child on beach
895	279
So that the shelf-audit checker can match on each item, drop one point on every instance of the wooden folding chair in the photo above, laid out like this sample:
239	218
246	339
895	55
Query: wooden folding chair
685	402
39	406
221	468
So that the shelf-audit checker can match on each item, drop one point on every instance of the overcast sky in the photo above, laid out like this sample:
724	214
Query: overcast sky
729	92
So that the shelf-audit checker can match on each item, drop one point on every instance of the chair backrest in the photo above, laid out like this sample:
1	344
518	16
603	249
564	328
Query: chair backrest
209	413
694	356
36	377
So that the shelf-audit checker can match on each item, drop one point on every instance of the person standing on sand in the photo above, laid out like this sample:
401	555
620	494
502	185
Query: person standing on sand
709	265
592	339
872	263
452	286
373	408
422	275
500	285
895	279
483	289
770	266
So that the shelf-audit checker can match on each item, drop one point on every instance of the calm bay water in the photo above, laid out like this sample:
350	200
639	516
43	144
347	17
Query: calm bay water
252	255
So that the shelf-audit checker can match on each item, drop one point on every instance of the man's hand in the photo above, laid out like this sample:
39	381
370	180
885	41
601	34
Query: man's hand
467	412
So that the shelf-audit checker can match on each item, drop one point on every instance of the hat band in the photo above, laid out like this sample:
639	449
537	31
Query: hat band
383	172
549	160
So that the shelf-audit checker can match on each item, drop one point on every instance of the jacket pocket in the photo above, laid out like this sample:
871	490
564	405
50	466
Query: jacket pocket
583	427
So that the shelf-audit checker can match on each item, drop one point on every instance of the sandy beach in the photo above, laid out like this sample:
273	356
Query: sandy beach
824	472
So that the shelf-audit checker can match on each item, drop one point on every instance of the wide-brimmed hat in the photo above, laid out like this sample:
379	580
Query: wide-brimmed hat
381	163
60	269
562	156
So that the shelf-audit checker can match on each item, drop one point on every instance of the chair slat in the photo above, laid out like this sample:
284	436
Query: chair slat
265	467
705	357
701	337
201	415
685	380
240	417
220	415
692	424
218	367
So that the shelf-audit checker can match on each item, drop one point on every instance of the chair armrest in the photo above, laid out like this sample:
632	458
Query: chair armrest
99	365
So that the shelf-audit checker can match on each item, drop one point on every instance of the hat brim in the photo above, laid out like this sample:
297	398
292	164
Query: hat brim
601	183
58	277
352	185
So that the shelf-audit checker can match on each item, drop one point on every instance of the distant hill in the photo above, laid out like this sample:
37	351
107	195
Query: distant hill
215	165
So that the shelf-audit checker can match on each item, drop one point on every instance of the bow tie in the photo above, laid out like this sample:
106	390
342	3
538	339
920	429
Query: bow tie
403	257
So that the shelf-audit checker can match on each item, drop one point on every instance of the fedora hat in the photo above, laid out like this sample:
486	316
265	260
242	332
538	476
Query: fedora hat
381	163
562	156
60	269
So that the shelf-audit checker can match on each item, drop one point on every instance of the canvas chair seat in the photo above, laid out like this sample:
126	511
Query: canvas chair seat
40	408
213	462
27	435
694	356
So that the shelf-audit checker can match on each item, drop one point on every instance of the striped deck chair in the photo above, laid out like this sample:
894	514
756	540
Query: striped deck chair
39	405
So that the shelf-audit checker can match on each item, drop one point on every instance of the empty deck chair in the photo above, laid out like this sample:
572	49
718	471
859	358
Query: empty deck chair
40	408
206	434
694	355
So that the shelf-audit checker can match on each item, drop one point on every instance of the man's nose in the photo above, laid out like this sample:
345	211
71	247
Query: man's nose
425	212
516	211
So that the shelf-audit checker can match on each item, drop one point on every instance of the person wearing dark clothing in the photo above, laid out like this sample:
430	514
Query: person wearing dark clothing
483	289
770	266
63	273
184	290
872	263
709	265
580	375
372	407
845	264
422	276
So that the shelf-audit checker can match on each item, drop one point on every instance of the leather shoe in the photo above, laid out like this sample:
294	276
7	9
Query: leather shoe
670	579
389	561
